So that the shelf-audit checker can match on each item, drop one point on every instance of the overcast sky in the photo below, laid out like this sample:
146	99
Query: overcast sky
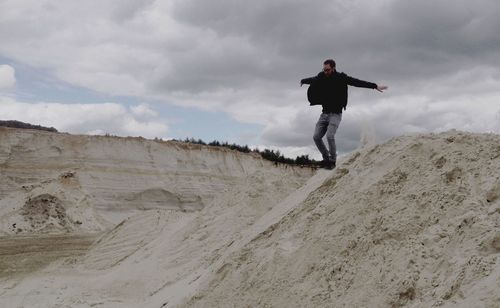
230	70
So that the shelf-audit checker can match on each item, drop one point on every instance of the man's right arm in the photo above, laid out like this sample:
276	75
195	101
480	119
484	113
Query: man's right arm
308	80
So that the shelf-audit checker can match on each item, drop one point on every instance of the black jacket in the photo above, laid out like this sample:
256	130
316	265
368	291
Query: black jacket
331	92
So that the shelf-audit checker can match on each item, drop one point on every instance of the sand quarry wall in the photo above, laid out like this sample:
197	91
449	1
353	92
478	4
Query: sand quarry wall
77	182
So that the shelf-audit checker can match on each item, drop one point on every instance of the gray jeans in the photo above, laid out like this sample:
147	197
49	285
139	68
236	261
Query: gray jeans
327	124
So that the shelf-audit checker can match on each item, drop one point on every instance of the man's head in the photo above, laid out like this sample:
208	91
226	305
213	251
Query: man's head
328	67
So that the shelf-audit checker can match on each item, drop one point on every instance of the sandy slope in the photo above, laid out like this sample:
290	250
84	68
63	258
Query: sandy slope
414	222
152	251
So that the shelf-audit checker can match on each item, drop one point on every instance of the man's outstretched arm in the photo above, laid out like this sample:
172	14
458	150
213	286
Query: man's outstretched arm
364	84
308	80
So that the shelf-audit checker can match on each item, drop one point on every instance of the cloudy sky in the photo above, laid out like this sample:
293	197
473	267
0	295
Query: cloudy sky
230	70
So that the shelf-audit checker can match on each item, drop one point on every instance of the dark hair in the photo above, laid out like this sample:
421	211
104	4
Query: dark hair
330	62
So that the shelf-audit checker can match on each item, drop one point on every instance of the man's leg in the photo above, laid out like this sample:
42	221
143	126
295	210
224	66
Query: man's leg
319	132
333	123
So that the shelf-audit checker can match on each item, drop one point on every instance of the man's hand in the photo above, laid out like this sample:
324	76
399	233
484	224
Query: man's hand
381	88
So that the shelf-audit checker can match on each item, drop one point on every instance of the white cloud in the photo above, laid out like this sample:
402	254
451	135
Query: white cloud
7	77
101	118
291	151
143	111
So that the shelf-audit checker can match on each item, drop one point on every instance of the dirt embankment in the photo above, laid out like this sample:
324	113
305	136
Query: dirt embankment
21	255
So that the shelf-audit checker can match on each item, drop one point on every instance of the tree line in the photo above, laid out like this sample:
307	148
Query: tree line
271	155
19	124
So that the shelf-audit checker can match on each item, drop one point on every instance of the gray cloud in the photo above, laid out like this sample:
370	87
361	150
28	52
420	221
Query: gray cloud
394	39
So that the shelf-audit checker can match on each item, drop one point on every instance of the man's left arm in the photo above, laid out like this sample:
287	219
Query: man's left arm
364	84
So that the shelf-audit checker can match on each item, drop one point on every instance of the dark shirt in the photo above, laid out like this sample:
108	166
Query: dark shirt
331	91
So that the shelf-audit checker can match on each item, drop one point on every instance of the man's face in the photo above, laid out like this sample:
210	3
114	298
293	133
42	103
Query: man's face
328	70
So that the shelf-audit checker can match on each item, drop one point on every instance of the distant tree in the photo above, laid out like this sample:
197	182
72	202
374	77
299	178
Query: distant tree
303	160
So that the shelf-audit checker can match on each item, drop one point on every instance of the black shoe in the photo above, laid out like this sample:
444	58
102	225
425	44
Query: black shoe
328	164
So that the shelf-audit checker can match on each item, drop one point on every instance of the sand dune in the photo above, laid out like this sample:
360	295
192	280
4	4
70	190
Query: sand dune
413	222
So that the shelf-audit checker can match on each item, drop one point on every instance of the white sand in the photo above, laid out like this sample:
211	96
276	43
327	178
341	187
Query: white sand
413	222
184	203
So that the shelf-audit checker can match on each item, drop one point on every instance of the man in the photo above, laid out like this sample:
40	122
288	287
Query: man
329	89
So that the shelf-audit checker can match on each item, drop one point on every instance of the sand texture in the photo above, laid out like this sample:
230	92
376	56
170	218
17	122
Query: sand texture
127	222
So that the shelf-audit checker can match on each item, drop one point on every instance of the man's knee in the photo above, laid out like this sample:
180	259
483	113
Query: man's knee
330	137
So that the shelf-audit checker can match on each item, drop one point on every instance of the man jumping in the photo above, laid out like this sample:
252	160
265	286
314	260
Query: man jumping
329	89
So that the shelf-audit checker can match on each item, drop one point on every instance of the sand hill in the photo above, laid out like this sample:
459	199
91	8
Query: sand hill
126	222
